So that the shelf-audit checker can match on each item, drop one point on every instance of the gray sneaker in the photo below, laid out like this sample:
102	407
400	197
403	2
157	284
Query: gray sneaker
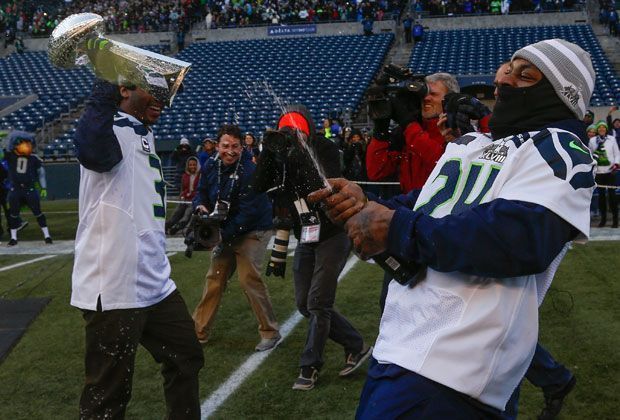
353	361
307	378
268	343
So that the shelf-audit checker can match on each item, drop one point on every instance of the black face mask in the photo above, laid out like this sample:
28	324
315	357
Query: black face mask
531	108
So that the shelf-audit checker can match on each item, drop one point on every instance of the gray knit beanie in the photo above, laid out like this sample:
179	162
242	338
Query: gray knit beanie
567	66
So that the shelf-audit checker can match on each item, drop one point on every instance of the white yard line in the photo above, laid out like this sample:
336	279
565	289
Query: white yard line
236	379
21	264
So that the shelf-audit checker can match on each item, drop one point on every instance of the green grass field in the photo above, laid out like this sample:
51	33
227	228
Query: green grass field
42	376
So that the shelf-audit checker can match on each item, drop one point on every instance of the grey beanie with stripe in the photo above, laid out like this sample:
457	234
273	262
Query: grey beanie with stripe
567	66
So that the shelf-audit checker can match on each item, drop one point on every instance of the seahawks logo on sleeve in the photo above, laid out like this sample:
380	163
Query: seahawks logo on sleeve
567	156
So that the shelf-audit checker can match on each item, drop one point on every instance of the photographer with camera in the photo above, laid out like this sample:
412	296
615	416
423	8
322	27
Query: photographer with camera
245	221
286	169
416	144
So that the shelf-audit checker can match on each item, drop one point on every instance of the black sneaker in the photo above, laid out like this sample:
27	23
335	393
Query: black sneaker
553	402
307	378
12	242
353	361
48	240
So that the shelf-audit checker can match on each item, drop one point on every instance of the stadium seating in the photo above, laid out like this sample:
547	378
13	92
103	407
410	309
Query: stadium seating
481	51
246	82
58	90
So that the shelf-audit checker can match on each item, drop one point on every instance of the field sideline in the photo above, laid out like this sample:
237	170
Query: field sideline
42	376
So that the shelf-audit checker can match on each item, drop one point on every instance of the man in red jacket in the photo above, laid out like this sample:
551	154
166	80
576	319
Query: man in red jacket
413	148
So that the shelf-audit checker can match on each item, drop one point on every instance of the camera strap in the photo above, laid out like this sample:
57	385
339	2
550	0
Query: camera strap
233	176
310	222
281	186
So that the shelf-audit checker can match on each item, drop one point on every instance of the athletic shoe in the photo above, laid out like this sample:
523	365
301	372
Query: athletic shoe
23	225
12	242
268	343
307	378
48	240
353	361
553	402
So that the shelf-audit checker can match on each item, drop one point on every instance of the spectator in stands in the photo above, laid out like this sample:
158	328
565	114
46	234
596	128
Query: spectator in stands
208	150
539	71
189	185
247	227
496	6
588	118
607	156
4	176
179	159
121	274
326	130
612	20
354	157
407	28
367	24
591	131
614	126
28	185
251	145
418	32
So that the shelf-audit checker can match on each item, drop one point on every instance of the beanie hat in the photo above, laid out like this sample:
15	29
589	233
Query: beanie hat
591	127
601	123
184	141
294	120
590	113
567	66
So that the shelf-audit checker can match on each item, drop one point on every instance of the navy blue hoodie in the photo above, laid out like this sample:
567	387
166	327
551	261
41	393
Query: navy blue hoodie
248	210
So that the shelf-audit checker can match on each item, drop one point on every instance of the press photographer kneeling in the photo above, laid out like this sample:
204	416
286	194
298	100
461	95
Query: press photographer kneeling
245	220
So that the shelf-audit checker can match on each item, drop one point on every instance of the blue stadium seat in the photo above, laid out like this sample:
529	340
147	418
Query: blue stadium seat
481	51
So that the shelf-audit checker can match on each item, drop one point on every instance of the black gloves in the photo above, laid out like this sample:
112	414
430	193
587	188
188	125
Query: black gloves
461	108
397	139
382	129
406	108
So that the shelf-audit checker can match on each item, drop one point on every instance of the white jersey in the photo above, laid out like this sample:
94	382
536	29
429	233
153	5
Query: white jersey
120	245
477	334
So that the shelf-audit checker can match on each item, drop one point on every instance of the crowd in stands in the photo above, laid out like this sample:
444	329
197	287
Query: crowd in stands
608	16
465	7
40	19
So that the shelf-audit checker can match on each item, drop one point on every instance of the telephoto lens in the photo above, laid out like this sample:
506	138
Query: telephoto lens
277	263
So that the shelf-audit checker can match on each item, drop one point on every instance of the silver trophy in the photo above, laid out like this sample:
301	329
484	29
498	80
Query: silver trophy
157	74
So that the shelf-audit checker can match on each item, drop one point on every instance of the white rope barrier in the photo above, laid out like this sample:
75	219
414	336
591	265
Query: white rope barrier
381	183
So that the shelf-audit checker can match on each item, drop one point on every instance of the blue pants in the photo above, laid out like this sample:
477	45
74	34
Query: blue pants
30	198
545	373
392	392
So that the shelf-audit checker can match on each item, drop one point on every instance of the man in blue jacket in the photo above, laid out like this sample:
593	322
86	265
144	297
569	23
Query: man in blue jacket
225	184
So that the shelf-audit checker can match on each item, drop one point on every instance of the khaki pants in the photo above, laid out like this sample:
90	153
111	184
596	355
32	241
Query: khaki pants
245	254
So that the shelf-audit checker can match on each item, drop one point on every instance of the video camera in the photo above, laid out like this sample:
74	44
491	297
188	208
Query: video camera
394	83
203	231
